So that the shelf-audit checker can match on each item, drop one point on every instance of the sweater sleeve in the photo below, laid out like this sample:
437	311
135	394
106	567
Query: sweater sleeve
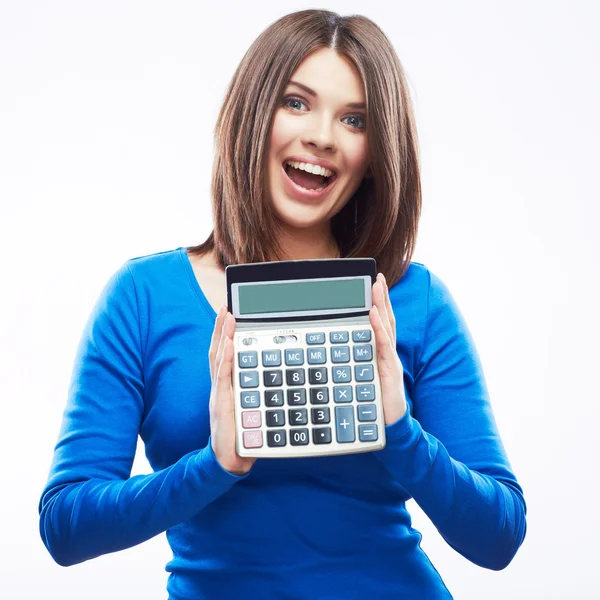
91	505
448	454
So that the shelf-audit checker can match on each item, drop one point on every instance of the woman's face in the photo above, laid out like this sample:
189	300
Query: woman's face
317	126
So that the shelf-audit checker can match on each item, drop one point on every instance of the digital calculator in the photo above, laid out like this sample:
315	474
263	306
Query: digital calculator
305	375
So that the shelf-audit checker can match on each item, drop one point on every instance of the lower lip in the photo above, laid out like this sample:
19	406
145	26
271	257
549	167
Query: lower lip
302	193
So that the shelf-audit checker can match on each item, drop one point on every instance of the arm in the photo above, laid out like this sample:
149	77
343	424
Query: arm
449	456
90	504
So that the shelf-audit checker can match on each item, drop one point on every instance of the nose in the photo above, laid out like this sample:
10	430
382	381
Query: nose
319	134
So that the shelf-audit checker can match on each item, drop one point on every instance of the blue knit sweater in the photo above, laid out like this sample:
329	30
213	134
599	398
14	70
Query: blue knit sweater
328	527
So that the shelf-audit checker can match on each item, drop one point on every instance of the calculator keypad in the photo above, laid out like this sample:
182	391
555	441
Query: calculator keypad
319	392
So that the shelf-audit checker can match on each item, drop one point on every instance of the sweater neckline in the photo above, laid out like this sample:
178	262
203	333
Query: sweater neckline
187	265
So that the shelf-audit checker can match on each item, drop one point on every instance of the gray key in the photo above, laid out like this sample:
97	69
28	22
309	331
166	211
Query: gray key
342	393
249	379
341	374
363	352
316	356
271	358
363	372
367	412
340	354
248	360
338	337
344	424
365	392
294	356
250	399
367	433
315	338
361	336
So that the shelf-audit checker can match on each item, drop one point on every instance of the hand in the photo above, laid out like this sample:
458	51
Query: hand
222	415
391	372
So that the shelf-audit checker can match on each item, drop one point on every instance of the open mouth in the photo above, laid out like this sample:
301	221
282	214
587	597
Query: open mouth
308	182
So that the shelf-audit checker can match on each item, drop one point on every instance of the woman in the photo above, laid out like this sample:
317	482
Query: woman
155	359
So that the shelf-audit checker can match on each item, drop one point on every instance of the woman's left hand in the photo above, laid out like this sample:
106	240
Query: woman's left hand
391	372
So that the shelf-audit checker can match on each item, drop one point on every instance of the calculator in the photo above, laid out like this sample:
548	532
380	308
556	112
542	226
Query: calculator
305	375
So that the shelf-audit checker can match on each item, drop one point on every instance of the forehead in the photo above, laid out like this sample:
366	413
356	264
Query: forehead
330	74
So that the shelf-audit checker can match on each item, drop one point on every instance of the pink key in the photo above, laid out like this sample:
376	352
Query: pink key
251	419
253	439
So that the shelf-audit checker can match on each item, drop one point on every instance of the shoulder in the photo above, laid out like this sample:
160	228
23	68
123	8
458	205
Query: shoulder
419	284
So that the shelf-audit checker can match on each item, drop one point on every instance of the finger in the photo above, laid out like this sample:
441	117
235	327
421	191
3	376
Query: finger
224	369
214	342
390	310
381	306
382	338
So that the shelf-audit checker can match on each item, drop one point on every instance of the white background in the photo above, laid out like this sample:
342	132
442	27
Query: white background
106	118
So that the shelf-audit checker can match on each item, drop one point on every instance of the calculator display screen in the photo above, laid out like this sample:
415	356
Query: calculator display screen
314	296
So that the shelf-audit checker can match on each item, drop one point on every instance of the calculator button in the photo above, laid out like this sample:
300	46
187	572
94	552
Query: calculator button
294	376
341	374
251	419
319	395
365	392
250	399
338	337
275	418
276	438
320	415
271	358
247	360
298	416
340	354
315	338
363	352
342	393
274	398
249	379
363	372
367	433
253	439
317	356
294	356
344	424
317	375
361	336
299	437
367	412
322	435
273	378
296	397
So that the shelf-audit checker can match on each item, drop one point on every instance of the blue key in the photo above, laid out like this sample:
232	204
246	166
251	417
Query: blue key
249	379
363	372
344	424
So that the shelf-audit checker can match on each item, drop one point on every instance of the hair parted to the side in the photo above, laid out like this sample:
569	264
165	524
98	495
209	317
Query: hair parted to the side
381	219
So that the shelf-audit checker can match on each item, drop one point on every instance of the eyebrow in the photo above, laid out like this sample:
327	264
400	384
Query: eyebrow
313	93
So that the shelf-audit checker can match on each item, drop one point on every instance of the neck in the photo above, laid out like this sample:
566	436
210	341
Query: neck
304	244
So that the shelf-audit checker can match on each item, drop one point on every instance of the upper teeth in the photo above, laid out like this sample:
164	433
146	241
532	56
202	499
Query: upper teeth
310	168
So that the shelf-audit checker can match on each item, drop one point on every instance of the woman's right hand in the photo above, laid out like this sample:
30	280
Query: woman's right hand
222	415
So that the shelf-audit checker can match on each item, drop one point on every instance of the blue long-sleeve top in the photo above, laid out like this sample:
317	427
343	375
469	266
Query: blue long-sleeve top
326	527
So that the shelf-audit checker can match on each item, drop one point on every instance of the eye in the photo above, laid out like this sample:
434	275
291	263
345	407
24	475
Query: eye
291	99
360	117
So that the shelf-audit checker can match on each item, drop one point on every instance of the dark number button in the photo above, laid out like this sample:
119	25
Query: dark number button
322	435
276	437
320	415
298	416
299	437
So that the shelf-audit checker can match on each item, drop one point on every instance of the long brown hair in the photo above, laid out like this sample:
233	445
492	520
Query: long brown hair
381	219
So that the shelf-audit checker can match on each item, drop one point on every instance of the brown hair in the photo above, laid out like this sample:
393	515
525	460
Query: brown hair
381	219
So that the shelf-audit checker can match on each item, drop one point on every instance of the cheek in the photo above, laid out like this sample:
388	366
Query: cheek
282	132
357	156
